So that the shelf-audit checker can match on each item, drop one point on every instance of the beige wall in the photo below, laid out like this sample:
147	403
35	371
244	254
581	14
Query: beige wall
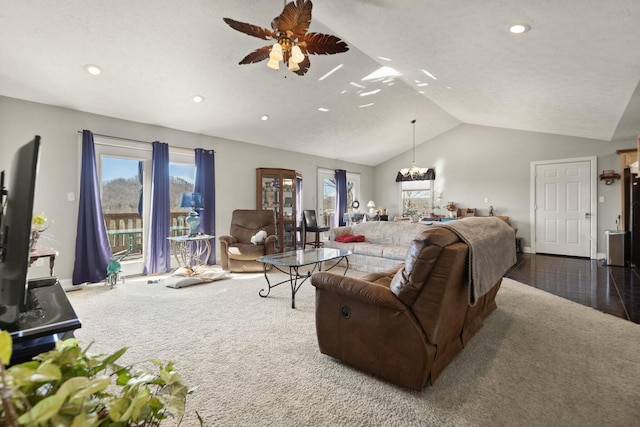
477	162
472	163
59	166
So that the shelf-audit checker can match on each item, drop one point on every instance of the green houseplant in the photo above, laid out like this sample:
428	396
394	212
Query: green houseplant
69	387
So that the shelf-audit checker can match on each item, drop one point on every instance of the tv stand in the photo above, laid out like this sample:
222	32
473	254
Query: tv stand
55	320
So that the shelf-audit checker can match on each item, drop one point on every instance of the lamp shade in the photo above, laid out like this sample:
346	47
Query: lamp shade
276	52
371	204
293	66
273	64
296	54
191	200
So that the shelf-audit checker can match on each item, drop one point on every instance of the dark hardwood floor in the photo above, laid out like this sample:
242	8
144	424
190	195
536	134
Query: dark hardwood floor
613	290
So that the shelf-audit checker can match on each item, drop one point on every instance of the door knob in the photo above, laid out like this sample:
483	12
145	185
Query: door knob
587	215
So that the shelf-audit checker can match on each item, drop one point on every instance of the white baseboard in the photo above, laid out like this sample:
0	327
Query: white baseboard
527	250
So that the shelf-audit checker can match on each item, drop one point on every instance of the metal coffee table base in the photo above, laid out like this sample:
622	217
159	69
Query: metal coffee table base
295	278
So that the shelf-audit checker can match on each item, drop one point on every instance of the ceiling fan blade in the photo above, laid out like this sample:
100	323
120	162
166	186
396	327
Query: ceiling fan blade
323	44
249	29
296	17
256	56
304	66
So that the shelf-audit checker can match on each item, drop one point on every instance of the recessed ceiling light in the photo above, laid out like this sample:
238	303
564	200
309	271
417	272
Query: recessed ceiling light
94	70
198	98
519	28
264	117
324	110
365	105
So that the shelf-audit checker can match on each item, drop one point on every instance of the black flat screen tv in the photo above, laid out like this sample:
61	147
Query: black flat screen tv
15	231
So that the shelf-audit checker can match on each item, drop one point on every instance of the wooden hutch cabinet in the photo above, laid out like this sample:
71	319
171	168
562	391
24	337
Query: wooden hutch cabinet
281	191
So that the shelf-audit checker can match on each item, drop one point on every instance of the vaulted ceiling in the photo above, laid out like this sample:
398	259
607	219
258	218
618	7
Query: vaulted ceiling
576	72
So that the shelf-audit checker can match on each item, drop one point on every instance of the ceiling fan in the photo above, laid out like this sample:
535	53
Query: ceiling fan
293	44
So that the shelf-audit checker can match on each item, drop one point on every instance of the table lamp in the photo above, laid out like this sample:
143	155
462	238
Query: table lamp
193	201
372	207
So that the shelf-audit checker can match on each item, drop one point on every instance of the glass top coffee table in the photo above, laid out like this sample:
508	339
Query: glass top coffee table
295	260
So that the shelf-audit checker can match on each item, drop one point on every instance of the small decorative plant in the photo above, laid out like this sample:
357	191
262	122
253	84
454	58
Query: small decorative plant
39	223
69	387
451	206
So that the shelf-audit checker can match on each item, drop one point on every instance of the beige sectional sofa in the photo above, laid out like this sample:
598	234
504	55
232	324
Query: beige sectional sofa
385	245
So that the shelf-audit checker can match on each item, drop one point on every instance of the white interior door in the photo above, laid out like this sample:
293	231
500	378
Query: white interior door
563	208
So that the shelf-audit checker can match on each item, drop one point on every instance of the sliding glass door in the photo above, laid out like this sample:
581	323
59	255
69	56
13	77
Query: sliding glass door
125	178
327	201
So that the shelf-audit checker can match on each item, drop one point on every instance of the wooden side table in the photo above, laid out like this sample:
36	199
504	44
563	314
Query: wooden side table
44	253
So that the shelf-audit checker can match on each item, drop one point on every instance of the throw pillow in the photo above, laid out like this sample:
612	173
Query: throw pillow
258	238
350	238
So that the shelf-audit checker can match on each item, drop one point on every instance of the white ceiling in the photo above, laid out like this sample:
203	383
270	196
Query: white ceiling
575	73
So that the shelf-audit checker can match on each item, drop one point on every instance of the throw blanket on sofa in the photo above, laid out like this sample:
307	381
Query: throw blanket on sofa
492	251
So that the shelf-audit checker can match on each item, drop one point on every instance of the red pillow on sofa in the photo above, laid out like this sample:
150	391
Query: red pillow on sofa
349	238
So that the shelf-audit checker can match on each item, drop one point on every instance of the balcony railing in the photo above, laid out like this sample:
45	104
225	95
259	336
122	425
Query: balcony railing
125	231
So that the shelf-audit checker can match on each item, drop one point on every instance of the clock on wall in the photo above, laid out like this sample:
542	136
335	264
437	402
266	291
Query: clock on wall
355	204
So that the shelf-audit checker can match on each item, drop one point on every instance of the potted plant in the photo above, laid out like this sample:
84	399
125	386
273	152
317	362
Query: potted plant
69	387
451	208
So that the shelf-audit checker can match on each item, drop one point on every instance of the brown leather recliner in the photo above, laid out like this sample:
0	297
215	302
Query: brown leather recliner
237	253
408	323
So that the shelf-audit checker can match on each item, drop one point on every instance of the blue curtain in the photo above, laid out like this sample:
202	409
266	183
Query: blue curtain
92	244
206	186
159	248
341	190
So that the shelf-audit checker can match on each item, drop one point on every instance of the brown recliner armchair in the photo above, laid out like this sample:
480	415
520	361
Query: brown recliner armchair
237	253
408	323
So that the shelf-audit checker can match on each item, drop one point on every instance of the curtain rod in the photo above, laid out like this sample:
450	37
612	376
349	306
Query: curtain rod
138	140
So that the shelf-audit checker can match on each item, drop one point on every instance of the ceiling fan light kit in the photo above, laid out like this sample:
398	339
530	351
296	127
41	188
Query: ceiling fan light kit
293	43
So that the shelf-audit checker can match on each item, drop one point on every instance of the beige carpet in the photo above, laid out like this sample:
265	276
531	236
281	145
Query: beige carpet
539	360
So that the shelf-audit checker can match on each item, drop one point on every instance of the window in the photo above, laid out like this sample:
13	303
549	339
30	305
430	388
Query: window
125	178
122	204
182	178
327	203
417	198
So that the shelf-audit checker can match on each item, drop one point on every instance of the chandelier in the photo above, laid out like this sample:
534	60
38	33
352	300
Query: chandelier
414	173
293	44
